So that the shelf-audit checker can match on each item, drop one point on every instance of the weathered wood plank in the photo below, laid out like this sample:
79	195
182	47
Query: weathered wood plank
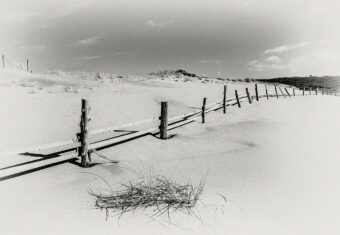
248	95
83	150
224	99
164	121
237	99
203	109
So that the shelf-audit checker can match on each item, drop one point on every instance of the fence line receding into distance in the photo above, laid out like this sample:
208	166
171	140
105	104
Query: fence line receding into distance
88	141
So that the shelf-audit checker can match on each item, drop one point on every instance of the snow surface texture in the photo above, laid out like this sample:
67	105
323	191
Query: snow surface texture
276	161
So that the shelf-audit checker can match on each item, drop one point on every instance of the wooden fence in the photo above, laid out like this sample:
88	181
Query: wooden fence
9	63
89	141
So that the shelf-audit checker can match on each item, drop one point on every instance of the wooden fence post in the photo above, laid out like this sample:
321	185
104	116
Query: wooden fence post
84	149
3	61
163	128
293	91
203	109
303	92
310	91
287	92
27	66
248	95
316	91
225	99
266	92
282	92
256	93
277	95
237	99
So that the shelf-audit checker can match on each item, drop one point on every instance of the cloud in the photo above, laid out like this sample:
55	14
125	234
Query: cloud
18	16
284	48
154	24
91	57
71	9
316	11
269	63
212	61
246	4
23	45
321	58
116	54
88	41
320	61
274	60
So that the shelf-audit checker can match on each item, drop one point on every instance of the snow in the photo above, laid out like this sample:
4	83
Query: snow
276	161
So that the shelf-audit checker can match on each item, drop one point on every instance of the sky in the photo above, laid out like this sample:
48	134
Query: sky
219	38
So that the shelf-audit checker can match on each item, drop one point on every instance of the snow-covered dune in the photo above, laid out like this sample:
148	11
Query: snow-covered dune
275	161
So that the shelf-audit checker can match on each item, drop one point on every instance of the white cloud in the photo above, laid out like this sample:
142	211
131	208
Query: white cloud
212	61
116	54
284	48
269	63
321	58
91	57
23	45
71	9
17	16
274	60
88	41
154	24
316	11
246	4
320	61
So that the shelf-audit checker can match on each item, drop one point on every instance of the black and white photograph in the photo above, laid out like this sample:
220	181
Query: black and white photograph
169	117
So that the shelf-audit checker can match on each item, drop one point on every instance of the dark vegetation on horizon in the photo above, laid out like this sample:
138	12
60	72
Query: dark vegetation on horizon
325	82
176	72
313	82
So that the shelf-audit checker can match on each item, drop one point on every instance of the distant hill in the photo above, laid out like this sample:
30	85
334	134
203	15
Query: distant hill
327	82
179	72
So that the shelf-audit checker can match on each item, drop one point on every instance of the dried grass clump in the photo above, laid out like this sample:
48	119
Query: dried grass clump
156	192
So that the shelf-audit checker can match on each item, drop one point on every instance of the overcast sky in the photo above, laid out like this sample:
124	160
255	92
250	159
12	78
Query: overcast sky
226	38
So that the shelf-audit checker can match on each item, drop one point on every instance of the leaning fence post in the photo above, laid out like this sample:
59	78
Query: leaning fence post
203	109
256	93
84	149
3	61
266	92
163	128
237	99
293	91
248	95
303	92
225	99
277	95
282	92
287	91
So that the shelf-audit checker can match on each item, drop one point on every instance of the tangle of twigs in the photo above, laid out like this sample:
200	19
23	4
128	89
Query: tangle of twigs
156	192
